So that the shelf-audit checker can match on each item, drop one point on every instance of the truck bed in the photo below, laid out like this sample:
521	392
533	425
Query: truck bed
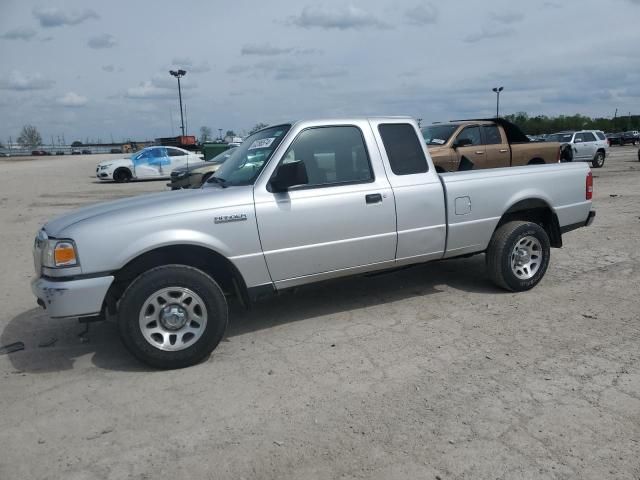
473	211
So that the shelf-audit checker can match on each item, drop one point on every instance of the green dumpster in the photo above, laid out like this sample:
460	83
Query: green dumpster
210	150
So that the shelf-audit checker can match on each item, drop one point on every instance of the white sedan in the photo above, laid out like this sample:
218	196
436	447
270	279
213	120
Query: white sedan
148	163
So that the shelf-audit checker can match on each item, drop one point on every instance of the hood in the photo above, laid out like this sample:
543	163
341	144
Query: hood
133	209
192	166
118	161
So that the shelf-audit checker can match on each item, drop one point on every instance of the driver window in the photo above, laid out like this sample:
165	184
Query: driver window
472	134
331	155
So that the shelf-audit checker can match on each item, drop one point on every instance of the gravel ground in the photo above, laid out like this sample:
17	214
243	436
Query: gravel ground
429	373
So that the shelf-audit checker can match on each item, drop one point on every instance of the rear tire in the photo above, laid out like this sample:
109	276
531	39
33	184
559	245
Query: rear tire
598	160
172	316
122	175
518	255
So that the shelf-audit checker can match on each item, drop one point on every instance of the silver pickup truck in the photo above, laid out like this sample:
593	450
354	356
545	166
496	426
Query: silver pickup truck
295	204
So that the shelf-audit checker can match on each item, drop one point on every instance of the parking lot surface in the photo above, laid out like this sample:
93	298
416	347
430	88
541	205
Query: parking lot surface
429	372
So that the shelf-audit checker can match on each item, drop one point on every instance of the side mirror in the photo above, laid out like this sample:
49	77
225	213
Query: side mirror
289	175
462	142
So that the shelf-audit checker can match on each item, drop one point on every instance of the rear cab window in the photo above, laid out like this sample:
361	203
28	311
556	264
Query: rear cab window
491	135
404	150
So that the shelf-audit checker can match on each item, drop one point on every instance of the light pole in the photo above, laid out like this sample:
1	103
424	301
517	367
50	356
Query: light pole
220	133
179	74
498	90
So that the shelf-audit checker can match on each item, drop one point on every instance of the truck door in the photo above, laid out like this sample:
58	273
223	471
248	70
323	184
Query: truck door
343	218
497	150
469	148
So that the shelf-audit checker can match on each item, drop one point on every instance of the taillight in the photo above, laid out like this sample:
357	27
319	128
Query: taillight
589	190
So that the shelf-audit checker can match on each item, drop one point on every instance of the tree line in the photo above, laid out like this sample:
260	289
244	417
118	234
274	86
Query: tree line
31	138
544	124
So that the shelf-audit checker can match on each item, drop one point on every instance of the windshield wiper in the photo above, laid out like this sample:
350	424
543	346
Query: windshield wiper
220	181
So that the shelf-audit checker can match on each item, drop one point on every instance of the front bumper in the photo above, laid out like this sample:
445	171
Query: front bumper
179	182
72	298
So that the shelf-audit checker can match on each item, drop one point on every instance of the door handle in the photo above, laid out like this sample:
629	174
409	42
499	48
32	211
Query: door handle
479	152
503	150
373	198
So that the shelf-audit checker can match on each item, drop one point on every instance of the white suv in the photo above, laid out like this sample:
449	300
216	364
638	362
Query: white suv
586	145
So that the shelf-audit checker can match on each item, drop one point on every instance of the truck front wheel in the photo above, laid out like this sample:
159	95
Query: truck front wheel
172	316
518	255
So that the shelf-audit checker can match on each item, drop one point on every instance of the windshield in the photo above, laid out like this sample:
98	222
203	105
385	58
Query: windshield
246	161
222	157
438	134
560	137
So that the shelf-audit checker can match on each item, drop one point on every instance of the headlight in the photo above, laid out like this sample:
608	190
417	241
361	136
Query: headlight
104	167
59	253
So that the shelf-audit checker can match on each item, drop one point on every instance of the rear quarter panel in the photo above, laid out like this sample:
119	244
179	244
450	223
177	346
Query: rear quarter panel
492	192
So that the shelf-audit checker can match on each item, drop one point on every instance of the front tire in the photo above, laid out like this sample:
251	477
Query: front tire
122	175
598	160
518	255
172	316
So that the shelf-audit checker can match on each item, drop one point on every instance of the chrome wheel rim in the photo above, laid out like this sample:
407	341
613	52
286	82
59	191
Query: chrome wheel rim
526	257
173	318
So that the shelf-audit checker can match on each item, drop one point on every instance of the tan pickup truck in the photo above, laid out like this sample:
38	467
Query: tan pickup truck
474	144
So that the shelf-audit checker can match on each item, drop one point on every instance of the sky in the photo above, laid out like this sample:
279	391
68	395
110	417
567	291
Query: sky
99	70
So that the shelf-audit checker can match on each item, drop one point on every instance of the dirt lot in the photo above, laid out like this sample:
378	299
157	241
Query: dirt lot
426	373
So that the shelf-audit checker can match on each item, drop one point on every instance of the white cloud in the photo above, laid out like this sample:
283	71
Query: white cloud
426	14
54	17
507	17
341	18
488	34
189	65
20	33
102	41
263	50
147	89
160	86
71	99
182	61
19	81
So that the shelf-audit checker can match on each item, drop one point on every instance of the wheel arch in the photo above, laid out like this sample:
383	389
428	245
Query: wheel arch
536	210
213	263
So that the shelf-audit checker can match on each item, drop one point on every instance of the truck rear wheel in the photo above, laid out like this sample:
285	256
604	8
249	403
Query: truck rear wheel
518	255
172	316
